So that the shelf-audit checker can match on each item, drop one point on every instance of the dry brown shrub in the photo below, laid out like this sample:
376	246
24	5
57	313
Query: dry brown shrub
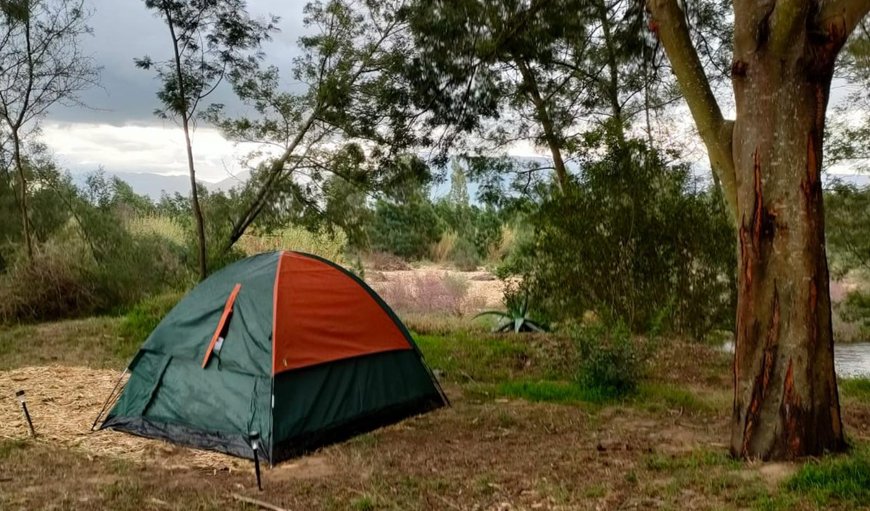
54	284
384	261
427	292
441	251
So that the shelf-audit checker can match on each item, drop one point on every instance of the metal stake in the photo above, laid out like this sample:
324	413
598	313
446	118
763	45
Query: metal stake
20	396
255	445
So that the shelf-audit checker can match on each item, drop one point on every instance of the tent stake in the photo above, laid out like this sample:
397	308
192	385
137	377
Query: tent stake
255	445
20	396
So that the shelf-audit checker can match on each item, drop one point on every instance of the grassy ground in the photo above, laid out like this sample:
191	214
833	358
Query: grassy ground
520	435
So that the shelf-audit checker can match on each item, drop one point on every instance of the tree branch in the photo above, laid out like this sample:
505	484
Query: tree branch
669	23
840	17
787	19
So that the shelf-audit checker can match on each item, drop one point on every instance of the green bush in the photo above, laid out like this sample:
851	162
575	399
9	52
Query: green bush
633	240
143	318
612	363
99	248
57	283
464	255
847	227
406	230
856	308
75	275
321	243
481	227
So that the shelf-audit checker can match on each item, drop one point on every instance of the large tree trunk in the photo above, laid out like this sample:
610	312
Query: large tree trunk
769	162
785	390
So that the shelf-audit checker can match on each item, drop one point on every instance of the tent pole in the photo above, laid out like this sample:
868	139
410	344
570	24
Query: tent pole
109	399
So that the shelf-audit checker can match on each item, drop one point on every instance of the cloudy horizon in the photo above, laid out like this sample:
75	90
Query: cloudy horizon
117	129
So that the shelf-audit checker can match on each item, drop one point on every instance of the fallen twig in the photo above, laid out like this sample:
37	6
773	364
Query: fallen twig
264	505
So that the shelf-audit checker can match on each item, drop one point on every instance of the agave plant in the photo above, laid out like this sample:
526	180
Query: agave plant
515	318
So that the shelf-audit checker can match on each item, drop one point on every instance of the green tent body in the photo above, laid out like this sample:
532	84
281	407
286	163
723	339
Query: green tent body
285	344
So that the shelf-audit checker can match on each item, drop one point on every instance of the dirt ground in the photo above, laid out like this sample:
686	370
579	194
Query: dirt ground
480	454
661	450
64	402
473	452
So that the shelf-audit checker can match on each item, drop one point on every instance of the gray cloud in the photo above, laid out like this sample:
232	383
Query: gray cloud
124	30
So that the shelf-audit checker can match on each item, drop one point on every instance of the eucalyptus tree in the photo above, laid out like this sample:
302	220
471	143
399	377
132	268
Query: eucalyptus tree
768	160
350	121
549	72
41	65
475	61
209	39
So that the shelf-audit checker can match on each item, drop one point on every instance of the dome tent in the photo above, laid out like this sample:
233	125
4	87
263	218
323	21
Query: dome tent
286	344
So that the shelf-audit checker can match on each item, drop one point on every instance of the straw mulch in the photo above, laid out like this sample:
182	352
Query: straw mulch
63	403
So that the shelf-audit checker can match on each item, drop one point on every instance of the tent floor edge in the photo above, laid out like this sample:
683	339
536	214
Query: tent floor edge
226	443
304	444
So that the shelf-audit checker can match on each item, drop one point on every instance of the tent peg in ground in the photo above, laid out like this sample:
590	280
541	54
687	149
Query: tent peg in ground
254	436
20	396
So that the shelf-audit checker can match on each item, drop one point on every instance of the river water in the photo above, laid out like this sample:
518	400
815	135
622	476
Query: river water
850	360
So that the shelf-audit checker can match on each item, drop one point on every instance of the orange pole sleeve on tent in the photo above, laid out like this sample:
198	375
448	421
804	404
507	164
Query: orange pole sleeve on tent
228	308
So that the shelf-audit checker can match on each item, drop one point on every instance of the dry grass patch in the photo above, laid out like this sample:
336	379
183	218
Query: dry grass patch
92	342
64	401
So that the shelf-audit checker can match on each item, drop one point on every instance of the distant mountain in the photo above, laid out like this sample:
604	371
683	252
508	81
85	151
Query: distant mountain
151	185
230	182
154	185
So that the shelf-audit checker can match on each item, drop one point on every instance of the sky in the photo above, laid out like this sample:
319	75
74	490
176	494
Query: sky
118	129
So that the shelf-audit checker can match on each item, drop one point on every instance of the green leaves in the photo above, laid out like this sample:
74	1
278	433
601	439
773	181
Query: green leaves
406	229
847	141
16	11
612	363
353	97
516	318
847	218
211	39
636	241
145	62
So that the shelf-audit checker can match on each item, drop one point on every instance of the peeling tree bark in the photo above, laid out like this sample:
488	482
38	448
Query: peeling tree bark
785	400
786	403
